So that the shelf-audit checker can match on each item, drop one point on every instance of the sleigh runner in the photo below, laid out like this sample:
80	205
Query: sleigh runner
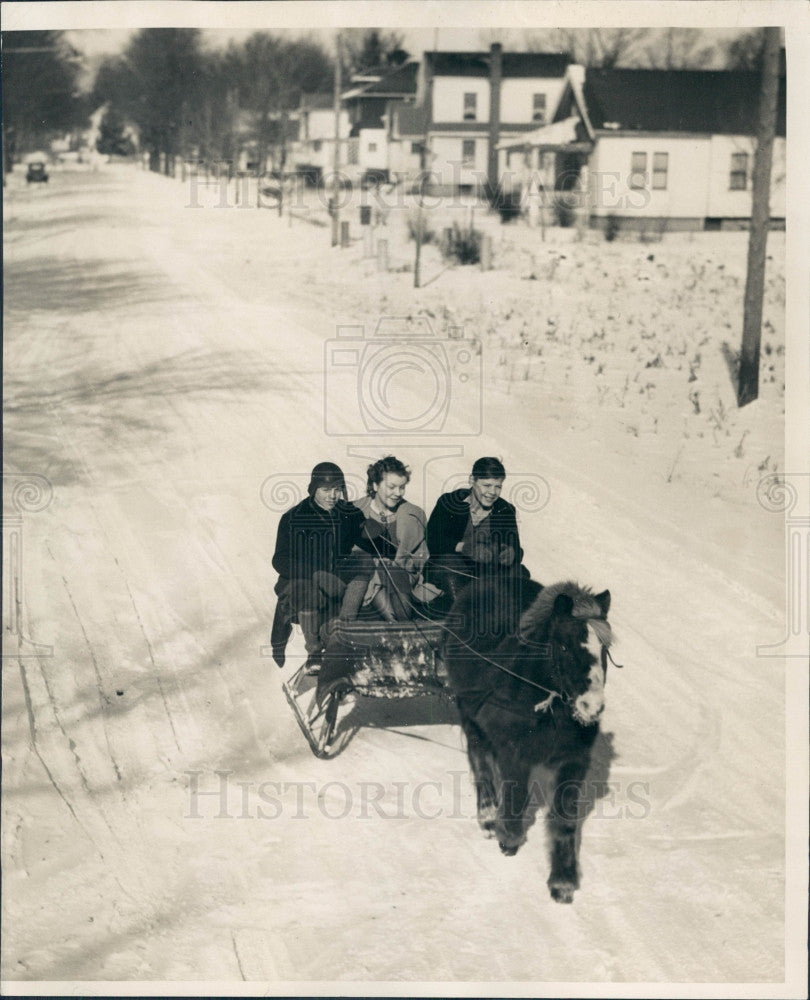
372	659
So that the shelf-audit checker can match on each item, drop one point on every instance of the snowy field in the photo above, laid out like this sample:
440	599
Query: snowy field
170	372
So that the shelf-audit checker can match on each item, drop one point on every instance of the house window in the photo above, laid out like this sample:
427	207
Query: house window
316	145
538	107
738	180
416	148
638	171
470	107
659	171
467	154
353	152
372	147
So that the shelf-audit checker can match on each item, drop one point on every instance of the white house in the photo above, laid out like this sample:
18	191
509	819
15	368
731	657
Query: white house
373	109
658	147
475	100
314	145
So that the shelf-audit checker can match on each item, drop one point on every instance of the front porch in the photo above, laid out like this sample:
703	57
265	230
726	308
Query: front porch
549	167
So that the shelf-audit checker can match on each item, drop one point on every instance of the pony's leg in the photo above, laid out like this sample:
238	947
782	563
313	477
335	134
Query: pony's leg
479	754
514	797
563	822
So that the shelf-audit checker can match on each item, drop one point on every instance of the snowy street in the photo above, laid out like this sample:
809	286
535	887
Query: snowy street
163	816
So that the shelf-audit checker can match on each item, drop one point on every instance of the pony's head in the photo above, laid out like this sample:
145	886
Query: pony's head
570	624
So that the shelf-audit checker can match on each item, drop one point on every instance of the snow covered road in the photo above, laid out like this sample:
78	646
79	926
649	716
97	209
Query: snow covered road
163	817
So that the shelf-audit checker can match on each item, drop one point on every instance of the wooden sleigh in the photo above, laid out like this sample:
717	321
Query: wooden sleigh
369	659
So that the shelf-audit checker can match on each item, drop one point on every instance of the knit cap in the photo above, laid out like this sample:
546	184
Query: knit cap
326	474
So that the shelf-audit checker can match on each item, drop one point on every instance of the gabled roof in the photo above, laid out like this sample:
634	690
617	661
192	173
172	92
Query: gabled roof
400	83
514	64
717	102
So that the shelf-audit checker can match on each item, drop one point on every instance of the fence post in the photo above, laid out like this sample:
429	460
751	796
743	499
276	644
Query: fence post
486	252
344	235
368	232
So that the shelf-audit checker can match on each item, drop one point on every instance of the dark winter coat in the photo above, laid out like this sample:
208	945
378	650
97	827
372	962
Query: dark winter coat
451	515
310	538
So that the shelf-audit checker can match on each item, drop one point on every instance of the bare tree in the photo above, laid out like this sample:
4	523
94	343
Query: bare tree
274	73
602	47
155	83
545	40
746	50
370	49
677	48
40	97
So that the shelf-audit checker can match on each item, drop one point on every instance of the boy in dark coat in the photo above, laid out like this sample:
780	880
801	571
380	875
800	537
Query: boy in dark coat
313	538
473	532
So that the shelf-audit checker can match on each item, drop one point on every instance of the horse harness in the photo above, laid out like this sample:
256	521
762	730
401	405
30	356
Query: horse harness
487	695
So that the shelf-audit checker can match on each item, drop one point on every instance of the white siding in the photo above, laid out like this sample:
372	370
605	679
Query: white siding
735	204
687	191
321	124
446	159
402	160
373	149
517	98
317	152
448	97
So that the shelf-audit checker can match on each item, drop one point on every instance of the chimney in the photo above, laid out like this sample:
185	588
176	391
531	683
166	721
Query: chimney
576	74
495	74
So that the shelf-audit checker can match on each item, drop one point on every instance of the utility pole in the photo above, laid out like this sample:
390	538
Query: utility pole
417	264
748	386
336	152
423	160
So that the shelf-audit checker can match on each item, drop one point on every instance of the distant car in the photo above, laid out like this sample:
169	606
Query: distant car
36	172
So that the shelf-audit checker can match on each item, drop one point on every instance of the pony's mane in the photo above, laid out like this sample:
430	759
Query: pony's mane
536	616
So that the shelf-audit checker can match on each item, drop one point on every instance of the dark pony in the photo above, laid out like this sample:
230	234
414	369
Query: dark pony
527	666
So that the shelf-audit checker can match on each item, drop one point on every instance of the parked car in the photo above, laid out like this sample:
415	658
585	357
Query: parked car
37	172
